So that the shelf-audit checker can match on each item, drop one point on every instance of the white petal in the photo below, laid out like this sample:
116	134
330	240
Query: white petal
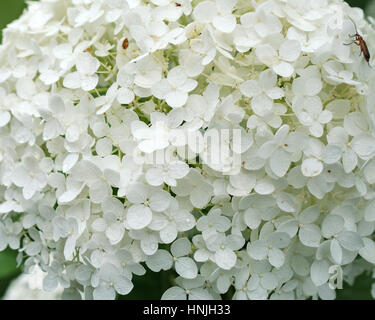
25	88
276	257
69	248
310	236
99	191
70	161
336	251
370	211
225	23
266	150
87	64
300	265
223	283
252	218
115	233
168	234
290	227
99	225
279	239
139	216
89	83
176	99
319	272
83	273
311	167
174	293
250	88
275	93
181	247
4	118
267	55
50	282
104	147
205	11
331	154
177	76
186	268
264	186
349	160
154	177
290	50
364	146
316	129
225	258
350	240
199	199
49	77
325	116
72	80
123	285
262	105
178	169
269	281
104	293
186	221
332	224
161	260
257	250
137	193
368	251
225	6
309	215
160	200
283	69
125	95
285	202
161	89
280	162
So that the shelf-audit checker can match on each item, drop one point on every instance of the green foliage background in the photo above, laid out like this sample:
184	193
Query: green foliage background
153	284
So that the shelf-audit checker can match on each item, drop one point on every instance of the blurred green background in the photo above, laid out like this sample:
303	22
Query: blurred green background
153	285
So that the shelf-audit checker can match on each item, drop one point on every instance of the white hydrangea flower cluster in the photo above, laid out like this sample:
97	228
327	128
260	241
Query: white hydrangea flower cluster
94	91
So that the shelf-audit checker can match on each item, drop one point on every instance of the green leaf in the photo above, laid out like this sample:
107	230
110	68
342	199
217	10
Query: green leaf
8	264
360	290
10	10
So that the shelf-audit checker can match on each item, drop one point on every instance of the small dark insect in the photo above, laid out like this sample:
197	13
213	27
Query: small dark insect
359	42
125	43
178	4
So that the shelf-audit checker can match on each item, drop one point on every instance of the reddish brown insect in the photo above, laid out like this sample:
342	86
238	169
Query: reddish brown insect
360	42
125	43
